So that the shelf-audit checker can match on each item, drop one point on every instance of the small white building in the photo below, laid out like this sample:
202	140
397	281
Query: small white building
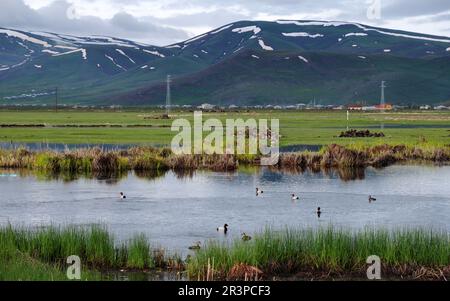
206	106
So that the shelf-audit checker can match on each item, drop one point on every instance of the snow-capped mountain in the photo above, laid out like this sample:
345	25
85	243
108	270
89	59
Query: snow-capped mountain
245	62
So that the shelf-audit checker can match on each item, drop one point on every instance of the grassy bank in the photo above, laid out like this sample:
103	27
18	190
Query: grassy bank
326	253
161	159
40	254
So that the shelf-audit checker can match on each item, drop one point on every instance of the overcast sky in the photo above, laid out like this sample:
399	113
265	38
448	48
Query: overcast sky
161	22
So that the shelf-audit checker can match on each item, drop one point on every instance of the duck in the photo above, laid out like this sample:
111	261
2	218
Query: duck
319	212
259	191
122	196
294	197
245	237
196	246
223	229
371	199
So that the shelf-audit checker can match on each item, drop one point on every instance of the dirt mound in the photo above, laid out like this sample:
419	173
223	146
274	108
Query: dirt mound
361	133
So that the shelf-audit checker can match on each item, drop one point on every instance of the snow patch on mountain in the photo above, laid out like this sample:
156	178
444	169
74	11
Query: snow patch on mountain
24	37
311	23
38	66
255	56
125	55
82	50
362	57
253	28
21	63
222	28
239	49
302	34
448	49
50	51
195	38
387	50
264	46
326	24
356	34
66	47
114	62
26	47
154	53
303	59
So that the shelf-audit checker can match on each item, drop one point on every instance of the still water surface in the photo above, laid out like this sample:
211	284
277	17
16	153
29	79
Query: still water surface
174	211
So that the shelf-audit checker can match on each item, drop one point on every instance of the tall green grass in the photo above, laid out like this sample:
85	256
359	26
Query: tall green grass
94	245
324	249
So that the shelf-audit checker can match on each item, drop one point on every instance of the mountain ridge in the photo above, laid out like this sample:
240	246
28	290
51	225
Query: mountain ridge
307	58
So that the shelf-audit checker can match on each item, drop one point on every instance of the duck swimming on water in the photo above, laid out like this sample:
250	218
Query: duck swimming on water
196	246
122	196
319	212
259	191
294	197
223	229
246	237
371	199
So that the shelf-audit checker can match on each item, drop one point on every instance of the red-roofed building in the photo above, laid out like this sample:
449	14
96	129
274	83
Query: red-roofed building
385	106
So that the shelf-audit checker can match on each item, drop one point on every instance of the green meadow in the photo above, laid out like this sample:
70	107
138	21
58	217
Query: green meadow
147	126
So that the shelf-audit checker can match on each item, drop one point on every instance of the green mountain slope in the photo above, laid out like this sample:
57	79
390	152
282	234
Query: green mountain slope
245	62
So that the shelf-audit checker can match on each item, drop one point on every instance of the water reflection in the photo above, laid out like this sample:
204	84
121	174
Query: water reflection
113	177
176	209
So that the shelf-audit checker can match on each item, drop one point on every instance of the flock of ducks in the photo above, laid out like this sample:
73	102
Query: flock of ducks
224	229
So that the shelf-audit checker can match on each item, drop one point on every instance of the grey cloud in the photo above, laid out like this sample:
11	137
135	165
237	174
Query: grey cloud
215	18
405	8
54	18
200	14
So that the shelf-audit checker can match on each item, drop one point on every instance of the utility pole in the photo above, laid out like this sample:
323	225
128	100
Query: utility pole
168	96
56	99
382	102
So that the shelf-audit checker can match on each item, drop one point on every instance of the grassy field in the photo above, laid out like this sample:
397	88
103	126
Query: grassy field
297	127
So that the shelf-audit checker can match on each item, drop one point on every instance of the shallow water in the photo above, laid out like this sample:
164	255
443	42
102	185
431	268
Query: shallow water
174	211
61	147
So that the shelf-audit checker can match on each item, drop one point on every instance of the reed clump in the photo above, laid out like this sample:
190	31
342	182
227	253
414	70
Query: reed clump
324	251
359	155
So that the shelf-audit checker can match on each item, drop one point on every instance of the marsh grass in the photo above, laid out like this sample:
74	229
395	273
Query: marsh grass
94	245
96	160
325	249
